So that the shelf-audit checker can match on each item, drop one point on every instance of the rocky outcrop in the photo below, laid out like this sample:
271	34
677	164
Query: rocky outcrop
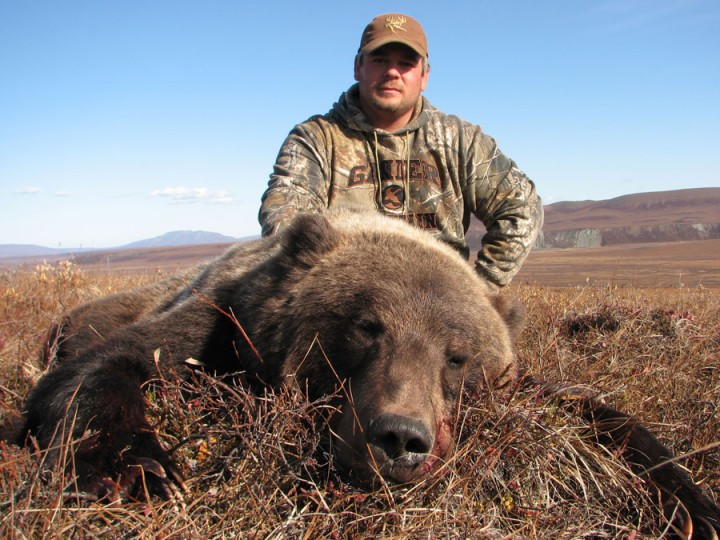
588	237
569	239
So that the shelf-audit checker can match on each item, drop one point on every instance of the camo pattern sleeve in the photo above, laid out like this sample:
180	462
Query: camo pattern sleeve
505	200
298	182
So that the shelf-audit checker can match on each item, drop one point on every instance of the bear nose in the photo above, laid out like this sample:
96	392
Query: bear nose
399	435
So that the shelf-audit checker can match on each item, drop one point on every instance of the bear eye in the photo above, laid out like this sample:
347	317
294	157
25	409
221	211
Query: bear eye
370	327
458	360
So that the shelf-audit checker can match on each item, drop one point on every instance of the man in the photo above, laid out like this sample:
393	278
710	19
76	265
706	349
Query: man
385	148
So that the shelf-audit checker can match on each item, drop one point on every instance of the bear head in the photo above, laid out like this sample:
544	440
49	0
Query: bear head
403	326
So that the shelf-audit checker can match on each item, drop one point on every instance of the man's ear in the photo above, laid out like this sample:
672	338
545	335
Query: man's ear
425	78
356	67
307	237
512	312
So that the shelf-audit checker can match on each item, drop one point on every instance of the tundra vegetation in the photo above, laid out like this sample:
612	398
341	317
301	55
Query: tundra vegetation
258	466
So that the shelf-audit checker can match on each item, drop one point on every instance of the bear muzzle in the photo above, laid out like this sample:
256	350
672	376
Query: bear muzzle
395	447
399	446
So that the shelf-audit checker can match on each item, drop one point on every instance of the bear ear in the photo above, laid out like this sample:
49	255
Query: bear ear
308	236
512	312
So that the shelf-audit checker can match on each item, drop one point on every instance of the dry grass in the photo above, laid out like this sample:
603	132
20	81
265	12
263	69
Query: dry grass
259	466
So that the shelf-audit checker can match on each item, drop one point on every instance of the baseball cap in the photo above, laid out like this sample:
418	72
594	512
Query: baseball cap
394	28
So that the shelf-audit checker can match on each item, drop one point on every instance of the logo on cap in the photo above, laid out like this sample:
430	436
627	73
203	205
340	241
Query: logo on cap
395	23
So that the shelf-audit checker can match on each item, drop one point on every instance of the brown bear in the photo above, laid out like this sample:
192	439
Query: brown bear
396	320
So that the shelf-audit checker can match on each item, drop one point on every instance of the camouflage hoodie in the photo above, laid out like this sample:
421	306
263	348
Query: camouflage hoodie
435	172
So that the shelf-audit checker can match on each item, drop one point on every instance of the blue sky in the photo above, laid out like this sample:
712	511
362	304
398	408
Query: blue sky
125	119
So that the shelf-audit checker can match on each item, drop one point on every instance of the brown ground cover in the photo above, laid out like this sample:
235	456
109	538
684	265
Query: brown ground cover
258	466
672	264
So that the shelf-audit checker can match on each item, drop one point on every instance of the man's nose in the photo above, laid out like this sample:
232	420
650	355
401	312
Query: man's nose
392	72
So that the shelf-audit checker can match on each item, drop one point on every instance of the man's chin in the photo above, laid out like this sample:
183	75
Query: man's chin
388	105
392	105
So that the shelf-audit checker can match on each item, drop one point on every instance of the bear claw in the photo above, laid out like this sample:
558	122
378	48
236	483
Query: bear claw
149	475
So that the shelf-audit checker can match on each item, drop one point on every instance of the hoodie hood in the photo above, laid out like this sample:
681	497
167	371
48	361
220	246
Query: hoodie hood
347	111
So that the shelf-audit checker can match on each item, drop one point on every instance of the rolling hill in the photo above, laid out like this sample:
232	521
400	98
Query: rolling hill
663	216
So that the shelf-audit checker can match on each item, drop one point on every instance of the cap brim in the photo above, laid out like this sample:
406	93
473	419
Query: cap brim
375	45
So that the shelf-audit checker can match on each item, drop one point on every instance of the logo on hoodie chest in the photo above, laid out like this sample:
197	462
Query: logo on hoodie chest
393	197
395	170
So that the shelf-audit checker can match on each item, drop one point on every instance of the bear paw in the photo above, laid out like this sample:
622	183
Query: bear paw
138	478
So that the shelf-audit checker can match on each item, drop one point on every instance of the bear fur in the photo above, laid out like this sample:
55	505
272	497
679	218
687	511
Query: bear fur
396	320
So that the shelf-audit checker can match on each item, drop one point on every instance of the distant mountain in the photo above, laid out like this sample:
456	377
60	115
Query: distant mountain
181	238
171	239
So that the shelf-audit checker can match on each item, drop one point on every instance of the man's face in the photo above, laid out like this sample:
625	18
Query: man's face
390	81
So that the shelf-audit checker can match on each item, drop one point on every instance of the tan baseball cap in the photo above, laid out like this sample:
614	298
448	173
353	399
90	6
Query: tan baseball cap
394	28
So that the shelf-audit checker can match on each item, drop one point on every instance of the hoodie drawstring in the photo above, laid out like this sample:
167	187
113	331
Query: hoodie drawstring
378	181
407	173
